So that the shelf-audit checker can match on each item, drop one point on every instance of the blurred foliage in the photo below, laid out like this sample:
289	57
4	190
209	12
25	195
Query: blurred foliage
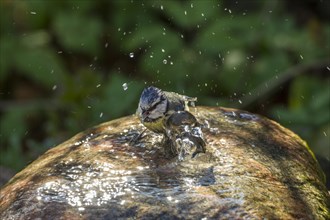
63	64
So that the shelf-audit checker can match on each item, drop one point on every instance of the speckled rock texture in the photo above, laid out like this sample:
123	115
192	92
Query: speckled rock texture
253	168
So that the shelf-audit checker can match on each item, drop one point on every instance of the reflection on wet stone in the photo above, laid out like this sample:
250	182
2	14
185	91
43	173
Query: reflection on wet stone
253	168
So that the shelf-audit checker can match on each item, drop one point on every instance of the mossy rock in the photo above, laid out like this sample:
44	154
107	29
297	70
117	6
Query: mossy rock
253	169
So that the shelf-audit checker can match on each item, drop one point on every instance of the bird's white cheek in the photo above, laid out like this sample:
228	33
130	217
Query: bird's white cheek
162	107
155	114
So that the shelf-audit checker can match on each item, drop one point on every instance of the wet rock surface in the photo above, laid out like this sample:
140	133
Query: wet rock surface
252	169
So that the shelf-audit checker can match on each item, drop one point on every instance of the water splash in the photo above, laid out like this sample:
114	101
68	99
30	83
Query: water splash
184	135
125	86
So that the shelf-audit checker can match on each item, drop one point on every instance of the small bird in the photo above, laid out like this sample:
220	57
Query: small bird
167	113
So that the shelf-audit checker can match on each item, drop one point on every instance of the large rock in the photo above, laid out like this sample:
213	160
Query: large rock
253	169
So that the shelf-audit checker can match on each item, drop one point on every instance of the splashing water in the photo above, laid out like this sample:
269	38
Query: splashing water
125	86
184	147
186	140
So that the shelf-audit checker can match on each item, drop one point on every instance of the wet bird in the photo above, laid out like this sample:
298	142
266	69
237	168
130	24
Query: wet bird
168	113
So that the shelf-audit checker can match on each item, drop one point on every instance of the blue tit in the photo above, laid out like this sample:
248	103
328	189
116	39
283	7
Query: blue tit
156	106
167	113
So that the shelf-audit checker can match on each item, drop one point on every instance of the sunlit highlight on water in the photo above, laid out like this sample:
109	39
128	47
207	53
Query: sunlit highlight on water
103	183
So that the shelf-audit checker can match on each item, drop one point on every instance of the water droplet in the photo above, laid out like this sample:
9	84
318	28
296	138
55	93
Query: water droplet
202	14
171	63
125	86
185	12
163	50
165	61
161	7
131	55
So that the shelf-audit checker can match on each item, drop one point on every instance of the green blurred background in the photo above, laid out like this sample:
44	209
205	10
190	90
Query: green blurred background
68	65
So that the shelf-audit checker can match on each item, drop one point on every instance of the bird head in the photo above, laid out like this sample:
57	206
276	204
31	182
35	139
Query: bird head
152	105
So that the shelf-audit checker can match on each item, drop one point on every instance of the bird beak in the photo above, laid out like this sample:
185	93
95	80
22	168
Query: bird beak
144	115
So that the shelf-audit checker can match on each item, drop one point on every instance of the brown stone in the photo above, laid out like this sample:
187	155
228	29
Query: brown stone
253	168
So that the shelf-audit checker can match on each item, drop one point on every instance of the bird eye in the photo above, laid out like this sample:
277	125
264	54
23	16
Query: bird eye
152	107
